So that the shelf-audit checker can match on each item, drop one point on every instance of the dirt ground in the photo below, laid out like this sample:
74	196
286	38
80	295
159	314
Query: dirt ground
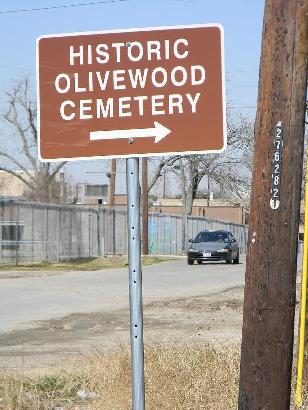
215	317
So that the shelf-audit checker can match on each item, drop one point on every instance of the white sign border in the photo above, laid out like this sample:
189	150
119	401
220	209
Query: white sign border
130	30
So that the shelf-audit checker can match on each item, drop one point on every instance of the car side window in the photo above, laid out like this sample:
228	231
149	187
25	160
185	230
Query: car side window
199	238
232	239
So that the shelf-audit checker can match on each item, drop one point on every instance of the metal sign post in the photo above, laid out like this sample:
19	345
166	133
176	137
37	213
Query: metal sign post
135	281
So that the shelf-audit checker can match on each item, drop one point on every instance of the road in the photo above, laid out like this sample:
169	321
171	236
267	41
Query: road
44	296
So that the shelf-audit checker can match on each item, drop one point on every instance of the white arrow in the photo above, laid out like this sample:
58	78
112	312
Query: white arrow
159	132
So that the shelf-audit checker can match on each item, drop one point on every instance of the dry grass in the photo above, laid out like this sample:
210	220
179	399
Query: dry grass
304	405
85	264
177	376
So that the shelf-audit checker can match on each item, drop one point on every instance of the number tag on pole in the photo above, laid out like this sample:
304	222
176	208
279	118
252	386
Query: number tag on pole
276	168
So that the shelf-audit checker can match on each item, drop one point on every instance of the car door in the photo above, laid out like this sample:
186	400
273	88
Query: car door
234	245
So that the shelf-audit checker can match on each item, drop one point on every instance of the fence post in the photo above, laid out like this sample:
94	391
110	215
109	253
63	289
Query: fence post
89	231
176	234
70	234
79	230
46	233
113	232
170	235
98	232
106	231
59	235
164	236
126	234
157	236
16	234
1	231
103	231
31	231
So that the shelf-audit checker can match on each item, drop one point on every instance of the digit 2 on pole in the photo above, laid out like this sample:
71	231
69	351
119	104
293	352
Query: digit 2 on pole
126	93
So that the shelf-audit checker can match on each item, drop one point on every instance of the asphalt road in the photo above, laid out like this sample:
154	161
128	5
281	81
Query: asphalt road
25	300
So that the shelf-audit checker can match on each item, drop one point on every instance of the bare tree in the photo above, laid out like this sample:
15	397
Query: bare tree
230	170
160	167
61	191
39	178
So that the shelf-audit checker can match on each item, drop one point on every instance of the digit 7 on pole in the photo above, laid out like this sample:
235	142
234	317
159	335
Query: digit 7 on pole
125	93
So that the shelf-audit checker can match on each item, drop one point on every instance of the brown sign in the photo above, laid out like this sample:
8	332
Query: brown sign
131	93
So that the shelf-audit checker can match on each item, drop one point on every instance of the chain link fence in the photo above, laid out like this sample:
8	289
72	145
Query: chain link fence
32	232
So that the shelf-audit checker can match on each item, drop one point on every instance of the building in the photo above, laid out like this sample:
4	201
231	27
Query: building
219	209
91	194
11	187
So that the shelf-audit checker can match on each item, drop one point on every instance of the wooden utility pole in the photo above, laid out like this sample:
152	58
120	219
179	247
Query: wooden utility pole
269	301
145	207
112	181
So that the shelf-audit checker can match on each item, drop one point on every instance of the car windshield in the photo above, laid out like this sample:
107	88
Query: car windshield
211	237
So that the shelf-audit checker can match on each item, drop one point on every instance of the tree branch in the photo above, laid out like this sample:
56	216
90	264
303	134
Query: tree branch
17	163
57	169
12	117
163	163
20	177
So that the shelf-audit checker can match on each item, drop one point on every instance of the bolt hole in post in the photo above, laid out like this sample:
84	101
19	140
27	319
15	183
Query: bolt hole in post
135	282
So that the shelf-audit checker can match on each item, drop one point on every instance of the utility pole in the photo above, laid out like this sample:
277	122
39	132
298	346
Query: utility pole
145	207
269	302
112	181
164	185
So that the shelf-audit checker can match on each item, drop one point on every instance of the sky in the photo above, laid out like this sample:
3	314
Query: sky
241	19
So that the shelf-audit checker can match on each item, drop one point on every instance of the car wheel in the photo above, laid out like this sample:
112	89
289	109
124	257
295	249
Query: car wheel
199	262
237	259
229	259
190	261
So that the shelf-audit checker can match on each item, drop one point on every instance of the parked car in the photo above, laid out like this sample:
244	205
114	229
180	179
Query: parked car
213	246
